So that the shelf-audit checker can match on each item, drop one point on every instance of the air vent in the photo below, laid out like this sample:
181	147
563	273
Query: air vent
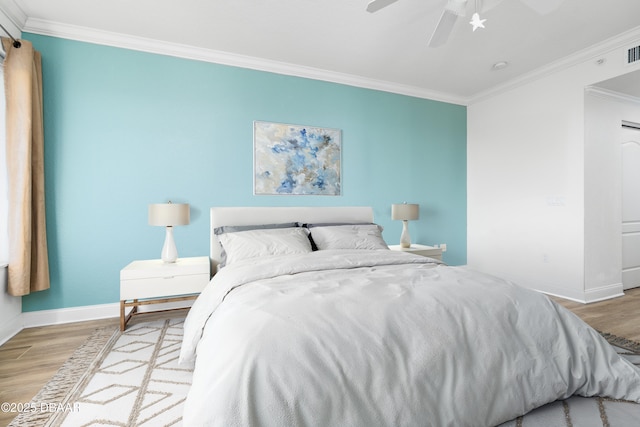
633	55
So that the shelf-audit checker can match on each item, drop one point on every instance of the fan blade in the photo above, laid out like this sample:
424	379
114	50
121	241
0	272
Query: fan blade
376	5
543	7
443	29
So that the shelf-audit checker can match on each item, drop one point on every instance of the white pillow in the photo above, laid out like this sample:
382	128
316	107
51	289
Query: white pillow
352	236
258	243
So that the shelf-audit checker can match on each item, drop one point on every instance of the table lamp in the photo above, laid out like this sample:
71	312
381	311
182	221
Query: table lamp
168	215
405	212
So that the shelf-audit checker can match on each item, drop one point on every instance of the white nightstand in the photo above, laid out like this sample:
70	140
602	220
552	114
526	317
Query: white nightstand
424	250
154	282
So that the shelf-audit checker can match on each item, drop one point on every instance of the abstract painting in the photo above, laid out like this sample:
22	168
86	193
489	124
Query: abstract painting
293	159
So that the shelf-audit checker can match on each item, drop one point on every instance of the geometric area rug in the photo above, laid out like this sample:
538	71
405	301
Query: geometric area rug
595	411
132	379
129	378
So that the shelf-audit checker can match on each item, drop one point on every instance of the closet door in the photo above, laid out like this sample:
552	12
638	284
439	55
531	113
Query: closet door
630	207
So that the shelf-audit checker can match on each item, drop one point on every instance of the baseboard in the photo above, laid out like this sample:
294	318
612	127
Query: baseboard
564	293
104	311
594	295
31	319
554	294
603	293
10	328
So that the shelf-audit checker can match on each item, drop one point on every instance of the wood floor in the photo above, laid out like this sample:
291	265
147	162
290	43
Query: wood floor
618	316
32	357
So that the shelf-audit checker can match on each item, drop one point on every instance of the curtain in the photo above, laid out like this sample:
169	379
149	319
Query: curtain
28	257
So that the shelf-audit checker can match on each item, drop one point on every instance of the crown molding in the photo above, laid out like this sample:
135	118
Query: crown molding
12	17
90	35
621	41
612	94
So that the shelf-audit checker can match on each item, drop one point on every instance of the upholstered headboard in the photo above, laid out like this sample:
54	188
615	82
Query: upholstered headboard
273	215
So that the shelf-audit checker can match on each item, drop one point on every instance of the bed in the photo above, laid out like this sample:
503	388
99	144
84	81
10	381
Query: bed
345	332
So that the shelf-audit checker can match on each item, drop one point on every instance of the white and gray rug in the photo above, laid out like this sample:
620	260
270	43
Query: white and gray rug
586	412
133	379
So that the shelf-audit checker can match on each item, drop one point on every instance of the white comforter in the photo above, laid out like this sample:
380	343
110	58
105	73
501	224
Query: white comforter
384	338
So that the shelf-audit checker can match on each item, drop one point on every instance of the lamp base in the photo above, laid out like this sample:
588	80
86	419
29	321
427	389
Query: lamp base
405	239
169	252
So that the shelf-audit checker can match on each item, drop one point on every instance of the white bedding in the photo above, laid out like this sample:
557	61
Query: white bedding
384	338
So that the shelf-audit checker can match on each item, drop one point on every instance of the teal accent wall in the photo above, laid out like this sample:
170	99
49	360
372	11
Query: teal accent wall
124	129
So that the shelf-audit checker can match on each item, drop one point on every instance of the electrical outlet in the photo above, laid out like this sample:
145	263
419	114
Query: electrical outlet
443	246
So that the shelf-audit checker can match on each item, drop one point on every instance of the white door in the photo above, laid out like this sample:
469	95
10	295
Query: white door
630	207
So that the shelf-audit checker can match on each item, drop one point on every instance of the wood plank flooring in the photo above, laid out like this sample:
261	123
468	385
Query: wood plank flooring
617	316
32	357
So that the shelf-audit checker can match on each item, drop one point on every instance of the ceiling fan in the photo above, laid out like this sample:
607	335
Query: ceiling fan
456	8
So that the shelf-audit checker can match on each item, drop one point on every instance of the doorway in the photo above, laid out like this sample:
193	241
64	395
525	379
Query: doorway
630	205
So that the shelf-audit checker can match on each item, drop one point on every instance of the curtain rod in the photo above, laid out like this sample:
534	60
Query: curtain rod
16	43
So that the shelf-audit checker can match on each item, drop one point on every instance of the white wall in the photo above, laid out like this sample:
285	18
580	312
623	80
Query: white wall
604	113
10	310
10	307
529	178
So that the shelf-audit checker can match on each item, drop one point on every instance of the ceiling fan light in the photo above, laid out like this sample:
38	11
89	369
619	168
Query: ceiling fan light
476	22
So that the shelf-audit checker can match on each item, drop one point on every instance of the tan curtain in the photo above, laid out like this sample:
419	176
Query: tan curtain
28	257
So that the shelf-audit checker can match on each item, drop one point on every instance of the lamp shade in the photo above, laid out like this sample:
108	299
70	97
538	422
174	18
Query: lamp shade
405	211
169	214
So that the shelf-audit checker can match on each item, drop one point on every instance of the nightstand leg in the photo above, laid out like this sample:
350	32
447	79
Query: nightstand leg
122	322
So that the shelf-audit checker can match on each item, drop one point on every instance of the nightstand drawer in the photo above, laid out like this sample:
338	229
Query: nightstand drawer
423	250
153	268
156	287
431	253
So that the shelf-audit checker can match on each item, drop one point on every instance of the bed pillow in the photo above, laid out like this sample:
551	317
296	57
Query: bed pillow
218	231
348	236
331	224
243	245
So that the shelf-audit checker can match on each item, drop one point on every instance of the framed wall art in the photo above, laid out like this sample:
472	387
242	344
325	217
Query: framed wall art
296	160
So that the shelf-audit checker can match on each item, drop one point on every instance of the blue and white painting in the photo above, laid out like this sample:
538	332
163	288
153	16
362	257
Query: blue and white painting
292	159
